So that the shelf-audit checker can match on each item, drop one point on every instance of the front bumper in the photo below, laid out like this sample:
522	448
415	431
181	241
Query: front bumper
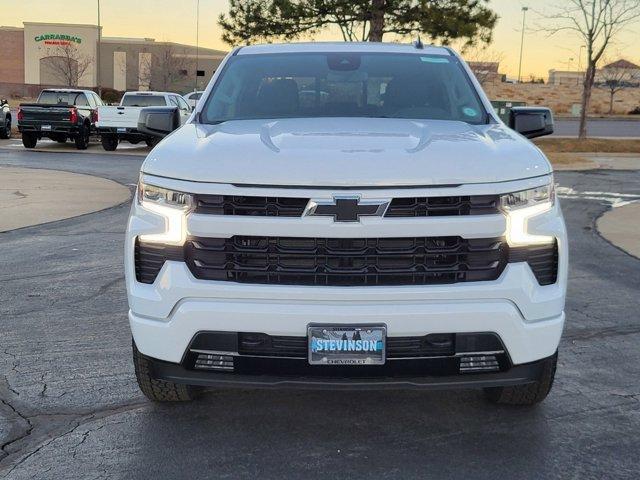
525	341
516	375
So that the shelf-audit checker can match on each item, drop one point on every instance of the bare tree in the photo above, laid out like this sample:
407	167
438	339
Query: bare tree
165	68
68	64
597	22
614	79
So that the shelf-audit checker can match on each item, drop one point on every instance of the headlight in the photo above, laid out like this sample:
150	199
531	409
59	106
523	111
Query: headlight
163	196
544	195
521	206
173	206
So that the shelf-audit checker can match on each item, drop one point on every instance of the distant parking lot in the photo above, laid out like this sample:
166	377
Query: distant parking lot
47	145
597	127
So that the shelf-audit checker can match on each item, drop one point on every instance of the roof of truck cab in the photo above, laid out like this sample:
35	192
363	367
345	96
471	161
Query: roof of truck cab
149	92
364	47
65	90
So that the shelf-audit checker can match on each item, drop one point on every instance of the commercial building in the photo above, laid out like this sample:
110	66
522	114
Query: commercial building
564	77
487	72
56	54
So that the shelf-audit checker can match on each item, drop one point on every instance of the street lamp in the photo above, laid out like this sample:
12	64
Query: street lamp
569	60
524	13
98	55
197	43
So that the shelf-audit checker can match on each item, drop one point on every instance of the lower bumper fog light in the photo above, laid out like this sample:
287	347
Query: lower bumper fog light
207	361
478	363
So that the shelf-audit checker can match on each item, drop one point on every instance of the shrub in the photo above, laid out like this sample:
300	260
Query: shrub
109	95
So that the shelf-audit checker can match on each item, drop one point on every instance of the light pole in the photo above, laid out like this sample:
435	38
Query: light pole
524	14
580	57
98	54
569	60
197	43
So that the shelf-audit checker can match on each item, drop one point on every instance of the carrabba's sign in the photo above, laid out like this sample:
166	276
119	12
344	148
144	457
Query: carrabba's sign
57	39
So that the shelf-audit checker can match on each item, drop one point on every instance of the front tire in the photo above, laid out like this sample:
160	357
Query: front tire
29	140
109	142
527	394
152	142
6	131
159	390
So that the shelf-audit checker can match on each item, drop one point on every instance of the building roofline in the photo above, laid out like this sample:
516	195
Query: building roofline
56	24
151	42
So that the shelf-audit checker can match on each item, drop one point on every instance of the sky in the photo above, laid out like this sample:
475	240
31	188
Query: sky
174	20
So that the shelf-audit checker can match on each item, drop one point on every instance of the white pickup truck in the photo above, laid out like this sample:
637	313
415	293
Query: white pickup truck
119	123
346	215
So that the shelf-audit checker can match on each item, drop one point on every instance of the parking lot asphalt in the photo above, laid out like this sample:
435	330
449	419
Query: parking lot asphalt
70	407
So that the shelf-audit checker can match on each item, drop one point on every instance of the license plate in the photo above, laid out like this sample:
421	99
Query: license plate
45	127
121	130
346	345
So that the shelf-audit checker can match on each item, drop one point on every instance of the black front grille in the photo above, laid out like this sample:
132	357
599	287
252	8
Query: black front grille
263	345
346	261
253	206
260	353
443	206
294	207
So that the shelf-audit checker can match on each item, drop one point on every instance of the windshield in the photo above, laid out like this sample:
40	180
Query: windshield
143	101
49	97
409	86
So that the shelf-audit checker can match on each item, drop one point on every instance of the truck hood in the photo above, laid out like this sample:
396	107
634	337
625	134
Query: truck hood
345	152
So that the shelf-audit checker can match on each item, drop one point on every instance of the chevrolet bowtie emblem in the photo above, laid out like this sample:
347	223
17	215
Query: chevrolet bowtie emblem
346	209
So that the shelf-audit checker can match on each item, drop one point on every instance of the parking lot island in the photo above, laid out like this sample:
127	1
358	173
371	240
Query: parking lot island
620	227
33	196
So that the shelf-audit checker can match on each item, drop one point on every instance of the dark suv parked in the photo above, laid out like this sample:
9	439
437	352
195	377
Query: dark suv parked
59	114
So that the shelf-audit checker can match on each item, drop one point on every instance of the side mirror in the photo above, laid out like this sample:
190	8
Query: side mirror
158	121
531	121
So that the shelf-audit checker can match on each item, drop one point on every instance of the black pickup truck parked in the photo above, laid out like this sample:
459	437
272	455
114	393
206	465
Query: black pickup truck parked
59	114
5	119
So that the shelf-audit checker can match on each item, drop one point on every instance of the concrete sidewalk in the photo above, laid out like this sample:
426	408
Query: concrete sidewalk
32	196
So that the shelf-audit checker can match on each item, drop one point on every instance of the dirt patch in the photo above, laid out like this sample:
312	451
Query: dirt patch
570	161
589	145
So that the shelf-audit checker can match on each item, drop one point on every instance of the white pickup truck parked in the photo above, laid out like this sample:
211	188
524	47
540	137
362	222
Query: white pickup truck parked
346	215
119	123
193	97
